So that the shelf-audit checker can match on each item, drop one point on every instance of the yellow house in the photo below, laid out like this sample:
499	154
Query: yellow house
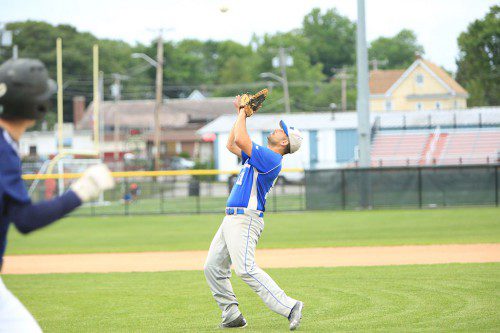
423	86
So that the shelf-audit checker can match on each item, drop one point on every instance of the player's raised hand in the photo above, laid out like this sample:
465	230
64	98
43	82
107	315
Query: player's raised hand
236	103
94	180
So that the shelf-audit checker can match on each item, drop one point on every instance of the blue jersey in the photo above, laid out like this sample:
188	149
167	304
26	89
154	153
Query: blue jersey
256	178
12	189
15	204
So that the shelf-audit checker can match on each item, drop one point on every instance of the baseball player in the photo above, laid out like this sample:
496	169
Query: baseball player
237	237
24	93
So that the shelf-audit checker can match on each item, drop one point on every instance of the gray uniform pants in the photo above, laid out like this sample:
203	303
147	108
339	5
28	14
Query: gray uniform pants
235	242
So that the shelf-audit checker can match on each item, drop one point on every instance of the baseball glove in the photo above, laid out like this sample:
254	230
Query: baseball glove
251	103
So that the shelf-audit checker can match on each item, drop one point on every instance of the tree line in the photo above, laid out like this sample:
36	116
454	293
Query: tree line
323	44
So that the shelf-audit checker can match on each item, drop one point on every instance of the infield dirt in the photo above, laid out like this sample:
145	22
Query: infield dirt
266	258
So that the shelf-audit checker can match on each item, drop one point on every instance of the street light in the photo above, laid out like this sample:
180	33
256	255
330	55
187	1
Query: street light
158	63
272	76
285	87
151	61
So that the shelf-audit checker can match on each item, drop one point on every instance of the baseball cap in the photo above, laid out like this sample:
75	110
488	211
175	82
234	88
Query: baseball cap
294	136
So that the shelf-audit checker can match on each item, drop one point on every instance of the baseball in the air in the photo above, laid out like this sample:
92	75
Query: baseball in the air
223	9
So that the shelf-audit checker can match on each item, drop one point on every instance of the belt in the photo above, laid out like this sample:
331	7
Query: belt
243	211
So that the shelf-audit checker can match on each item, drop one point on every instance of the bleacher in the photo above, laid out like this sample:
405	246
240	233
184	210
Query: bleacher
471	147
436	147
400	148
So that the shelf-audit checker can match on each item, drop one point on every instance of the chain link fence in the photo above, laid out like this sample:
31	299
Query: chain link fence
184	194
394	187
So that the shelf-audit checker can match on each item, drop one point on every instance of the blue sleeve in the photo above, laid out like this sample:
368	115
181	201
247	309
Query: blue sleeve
28	217
263	158
10	177
244	157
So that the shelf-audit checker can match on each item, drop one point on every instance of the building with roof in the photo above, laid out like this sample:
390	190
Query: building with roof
129	125
423	86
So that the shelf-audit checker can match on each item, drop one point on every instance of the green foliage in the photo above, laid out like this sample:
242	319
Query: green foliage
184	154
479	59
332	39
217	68
398	51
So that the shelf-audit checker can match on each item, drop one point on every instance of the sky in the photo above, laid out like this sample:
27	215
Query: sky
437	23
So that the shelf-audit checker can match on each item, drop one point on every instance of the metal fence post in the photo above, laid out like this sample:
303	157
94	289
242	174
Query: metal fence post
198	206
419	170
162	194
274	202
342	184
496	185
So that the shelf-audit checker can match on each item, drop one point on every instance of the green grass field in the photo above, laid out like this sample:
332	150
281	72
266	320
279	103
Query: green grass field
448	298
305	229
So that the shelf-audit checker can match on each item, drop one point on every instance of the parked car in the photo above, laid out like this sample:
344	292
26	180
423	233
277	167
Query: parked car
181	163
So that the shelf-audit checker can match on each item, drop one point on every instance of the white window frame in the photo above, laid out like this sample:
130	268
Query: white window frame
419	83
388	105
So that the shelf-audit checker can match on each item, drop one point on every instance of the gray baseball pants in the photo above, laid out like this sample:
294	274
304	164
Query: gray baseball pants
235	243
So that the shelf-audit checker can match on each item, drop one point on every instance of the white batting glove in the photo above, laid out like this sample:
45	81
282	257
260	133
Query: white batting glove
94	180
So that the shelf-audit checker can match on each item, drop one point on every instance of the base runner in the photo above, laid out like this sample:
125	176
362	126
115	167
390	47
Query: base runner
25	90
237	237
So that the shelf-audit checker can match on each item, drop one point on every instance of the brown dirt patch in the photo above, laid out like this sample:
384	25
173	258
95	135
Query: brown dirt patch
266	258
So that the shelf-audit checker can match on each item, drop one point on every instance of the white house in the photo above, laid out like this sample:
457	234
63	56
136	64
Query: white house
43	144
330	139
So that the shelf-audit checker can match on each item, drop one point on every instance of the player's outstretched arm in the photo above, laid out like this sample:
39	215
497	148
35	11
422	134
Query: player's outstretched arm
231	145
28	217
241	137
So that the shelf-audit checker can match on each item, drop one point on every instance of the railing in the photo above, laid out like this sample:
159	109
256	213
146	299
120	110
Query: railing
170	192
395	187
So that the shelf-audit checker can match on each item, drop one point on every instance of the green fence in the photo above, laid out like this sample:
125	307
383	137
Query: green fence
389	187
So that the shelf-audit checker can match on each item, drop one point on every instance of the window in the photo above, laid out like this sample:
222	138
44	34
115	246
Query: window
388	105
420	107
419	79
438	105
313	149
32	150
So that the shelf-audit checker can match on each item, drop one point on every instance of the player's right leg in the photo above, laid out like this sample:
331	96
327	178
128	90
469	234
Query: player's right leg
218	272
13	315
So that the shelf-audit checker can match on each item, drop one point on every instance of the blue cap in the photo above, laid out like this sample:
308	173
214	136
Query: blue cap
284	127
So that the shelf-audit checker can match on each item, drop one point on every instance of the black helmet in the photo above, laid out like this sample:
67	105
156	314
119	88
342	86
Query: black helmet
25	89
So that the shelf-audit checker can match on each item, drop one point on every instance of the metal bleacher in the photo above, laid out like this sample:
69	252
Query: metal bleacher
436	147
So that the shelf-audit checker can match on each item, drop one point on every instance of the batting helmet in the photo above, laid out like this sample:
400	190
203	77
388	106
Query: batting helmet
25	89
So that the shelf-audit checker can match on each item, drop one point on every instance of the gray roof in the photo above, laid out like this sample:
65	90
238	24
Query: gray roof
348	120
175	113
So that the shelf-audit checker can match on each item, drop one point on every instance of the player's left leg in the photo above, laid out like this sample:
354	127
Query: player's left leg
218	272
13	315
241	238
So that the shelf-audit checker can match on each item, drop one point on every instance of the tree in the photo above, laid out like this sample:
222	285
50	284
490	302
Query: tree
332	39
479	59
398	51
301	75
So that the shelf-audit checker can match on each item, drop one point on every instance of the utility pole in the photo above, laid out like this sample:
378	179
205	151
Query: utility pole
159	98
282	58
102	121
343	76
363	93
364	132
376	62
116	92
